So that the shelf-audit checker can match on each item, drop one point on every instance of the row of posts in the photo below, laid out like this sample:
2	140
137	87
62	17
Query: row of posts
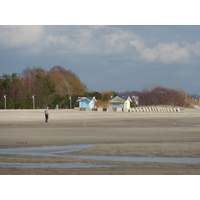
32	97
34	101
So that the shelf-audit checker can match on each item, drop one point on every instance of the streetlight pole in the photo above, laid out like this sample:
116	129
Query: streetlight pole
33	101
70	102
5	100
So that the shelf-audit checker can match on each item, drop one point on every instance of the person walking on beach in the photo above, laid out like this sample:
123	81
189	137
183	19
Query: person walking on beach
46	112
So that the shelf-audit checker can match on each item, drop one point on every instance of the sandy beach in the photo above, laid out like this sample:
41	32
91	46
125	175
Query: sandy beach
142	134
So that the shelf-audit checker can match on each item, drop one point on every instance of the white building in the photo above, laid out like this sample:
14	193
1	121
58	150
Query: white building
120	102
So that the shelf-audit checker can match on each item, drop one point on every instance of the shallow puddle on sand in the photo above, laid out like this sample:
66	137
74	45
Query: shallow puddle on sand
49	165
139	159
53	151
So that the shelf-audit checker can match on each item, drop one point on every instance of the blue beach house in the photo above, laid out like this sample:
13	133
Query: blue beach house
86	102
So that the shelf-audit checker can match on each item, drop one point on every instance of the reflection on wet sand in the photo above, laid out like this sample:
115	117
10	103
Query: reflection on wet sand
61	151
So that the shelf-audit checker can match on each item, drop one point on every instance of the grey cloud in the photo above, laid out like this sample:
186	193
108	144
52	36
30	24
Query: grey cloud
166	53
194	47
89	40
18	36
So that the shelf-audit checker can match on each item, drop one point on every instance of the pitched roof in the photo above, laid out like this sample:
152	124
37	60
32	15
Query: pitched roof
87	98
119	99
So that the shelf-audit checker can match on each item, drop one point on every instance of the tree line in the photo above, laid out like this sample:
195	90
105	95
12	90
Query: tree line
53	87
161	96
62	87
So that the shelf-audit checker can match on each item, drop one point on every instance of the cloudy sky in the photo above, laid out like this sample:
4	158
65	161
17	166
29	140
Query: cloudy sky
118	58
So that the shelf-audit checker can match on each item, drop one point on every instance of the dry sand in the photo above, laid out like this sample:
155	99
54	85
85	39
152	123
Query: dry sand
163	134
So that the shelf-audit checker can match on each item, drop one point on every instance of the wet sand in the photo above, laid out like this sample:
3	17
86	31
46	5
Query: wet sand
163	134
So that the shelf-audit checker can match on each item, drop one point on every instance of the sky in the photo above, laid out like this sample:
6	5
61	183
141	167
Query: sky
109	46
110	57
